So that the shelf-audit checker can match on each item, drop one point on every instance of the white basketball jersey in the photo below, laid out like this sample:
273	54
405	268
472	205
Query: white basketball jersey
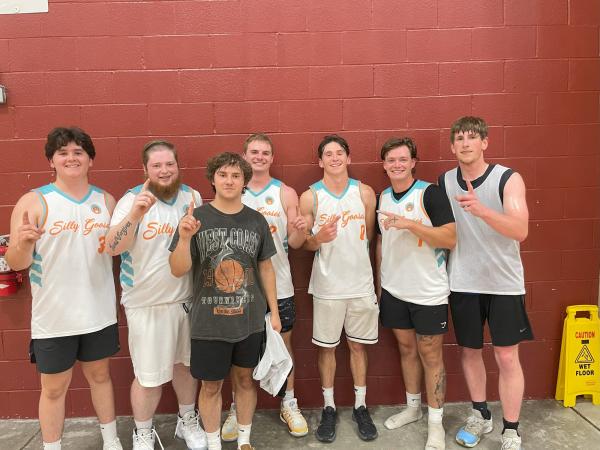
341	268
411	270
146	278
72	285
268	203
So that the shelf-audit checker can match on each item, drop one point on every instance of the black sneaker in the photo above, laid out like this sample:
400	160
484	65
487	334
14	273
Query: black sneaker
326	430
366	427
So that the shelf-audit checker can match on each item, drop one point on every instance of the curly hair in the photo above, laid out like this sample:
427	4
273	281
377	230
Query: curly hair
228	159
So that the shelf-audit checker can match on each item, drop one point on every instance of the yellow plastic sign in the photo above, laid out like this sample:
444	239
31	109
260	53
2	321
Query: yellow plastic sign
579	367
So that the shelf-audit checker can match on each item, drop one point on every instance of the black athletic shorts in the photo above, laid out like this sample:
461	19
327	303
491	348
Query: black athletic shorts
55	355
425	320
505	314
212	360
287	313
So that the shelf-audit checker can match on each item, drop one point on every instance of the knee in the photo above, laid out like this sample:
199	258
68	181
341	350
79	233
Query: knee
56	392
244	383
407	350
506	357
211	388
356	348
98	376
471	354
430	355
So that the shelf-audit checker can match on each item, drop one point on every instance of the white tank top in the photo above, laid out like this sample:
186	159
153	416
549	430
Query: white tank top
146	278
341	268
483	261
72	285
268	203
411	270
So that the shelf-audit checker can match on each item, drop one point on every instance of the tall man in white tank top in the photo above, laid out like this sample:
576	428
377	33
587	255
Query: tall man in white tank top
340	212
415	227
142	227
486	276
278	203
58	231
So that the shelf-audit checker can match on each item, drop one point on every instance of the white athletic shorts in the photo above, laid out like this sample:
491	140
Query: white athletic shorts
159	337
359	317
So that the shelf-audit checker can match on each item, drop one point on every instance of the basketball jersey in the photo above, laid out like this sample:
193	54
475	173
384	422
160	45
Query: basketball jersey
341	268
411	270
145	277
72	285
268	203
483	261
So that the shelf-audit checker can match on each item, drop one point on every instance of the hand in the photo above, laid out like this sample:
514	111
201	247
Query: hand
395	221
28	233
328	232
142	202
189	225
470	202
275	322
299	222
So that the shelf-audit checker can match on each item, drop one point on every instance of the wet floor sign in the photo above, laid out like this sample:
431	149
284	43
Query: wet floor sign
579	367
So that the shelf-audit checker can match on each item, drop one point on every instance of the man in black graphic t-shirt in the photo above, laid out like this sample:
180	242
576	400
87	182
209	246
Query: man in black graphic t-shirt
228	247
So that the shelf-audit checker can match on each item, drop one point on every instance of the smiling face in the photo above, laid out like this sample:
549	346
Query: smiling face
71	161
468	147
399	164
259	155
334	160
163	171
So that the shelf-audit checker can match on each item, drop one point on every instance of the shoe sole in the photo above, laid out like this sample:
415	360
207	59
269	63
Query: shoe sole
229	439
294	433
326	440
464	444
183	440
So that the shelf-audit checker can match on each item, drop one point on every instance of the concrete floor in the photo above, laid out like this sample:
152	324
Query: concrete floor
545	424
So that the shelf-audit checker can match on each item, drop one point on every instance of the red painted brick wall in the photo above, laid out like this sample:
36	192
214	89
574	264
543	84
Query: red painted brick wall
206	73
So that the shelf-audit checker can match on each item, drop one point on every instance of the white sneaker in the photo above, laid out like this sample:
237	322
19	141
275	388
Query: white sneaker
511	440
188	428
114	445
476	426
292	416
144	439
229	430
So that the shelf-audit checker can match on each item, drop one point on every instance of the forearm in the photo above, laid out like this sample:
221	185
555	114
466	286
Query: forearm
120	237
508	226
436	237
296	239
180	259
19	258
267	278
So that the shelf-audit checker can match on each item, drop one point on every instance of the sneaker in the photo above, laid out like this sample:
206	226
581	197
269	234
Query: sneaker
229	429
326	430
114	445
188	428
291	414
144	439
246	447
511	440
366	427
476	426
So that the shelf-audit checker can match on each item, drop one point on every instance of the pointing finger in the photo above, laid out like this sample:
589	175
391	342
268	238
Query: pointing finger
469	187
385	213
190	210
146	185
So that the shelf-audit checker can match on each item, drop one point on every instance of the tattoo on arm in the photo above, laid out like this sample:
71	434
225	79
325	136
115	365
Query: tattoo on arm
120	235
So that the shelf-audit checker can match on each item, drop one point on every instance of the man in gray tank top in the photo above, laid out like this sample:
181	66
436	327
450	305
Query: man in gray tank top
486	276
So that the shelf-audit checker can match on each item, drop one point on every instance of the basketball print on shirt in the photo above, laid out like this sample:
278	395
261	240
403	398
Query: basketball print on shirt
227	273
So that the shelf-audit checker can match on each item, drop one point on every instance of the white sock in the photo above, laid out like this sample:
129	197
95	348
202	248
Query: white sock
214	440
289	395
328	397
243	434
52	445
109	431
360	394
435	415
413	400
143	424
186	408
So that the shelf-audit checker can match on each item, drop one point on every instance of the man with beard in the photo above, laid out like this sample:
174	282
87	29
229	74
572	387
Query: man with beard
142	226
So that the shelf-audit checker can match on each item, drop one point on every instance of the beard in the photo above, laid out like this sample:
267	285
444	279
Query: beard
167	192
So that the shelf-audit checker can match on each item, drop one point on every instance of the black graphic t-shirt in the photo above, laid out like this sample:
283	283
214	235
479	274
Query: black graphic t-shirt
228	301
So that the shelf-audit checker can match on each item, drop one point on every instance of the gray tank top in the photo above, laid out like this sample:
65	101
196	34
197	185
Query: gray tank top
483	261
